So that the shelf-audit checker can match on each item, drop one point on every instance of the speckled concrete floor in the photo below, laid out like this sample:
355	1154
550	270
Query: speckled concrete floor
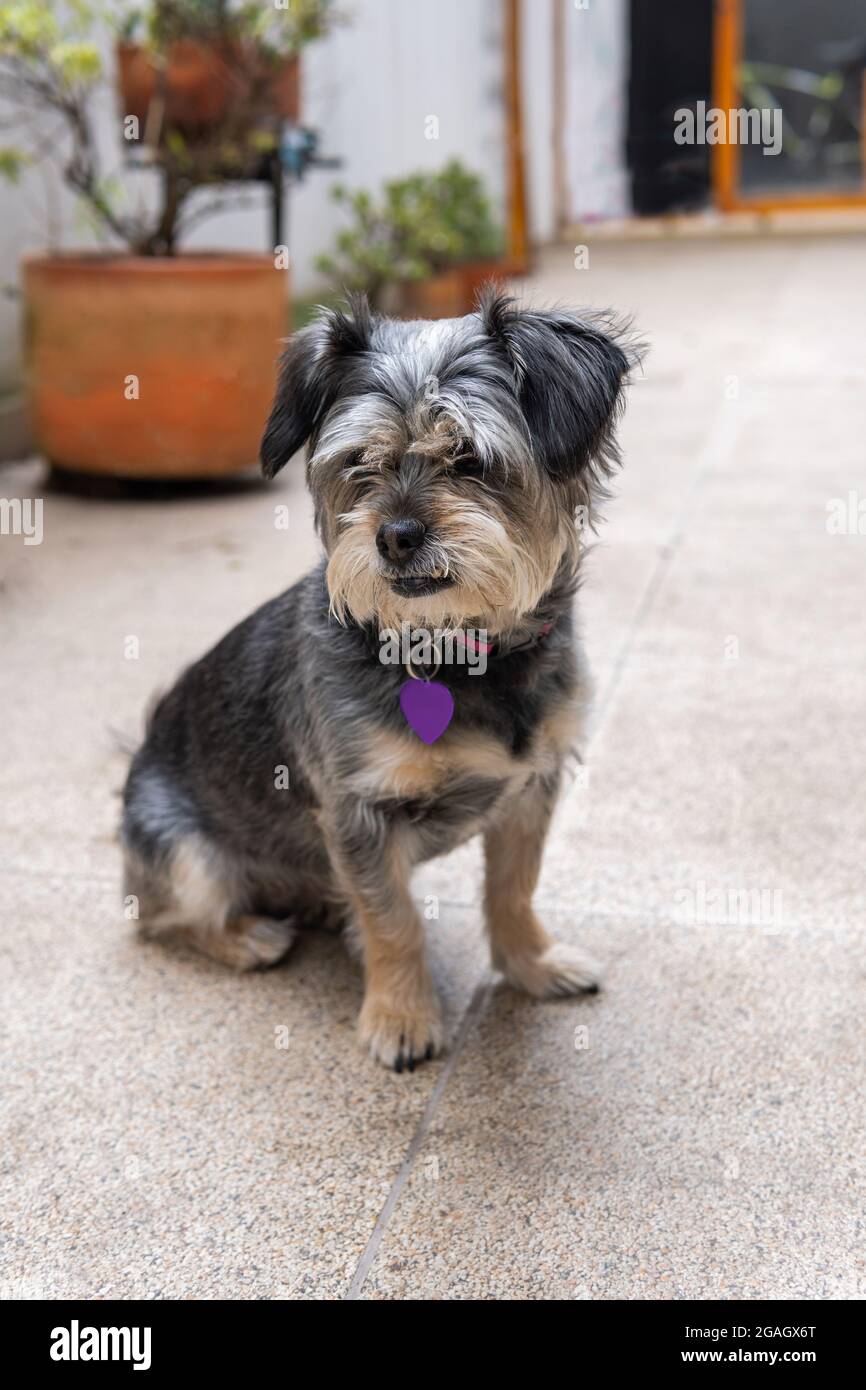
695	1130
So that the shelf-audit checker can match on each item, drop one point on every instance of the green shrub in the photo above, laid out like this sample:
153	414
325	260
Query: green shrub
422	224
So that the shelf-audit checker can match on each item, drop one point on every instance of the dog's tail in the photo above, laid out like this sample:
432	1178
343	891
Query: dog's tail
127	743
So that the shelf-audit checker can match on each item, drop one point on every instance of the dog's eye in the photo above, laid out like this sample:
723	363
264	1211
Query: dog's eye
357	471
466	464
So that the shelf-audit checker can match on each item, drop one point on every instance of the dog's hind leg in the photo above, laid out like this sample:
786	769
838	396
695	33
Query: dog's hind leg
190	894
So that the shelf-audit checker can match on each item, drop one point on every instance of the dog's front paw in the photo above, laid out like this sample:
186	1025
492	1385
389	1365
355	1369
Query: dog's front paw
398	1035
557	971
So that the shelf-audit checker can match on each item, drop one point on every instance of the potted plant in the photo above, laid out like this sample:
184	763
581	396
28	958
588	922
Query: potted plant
143	361
423	249
185	63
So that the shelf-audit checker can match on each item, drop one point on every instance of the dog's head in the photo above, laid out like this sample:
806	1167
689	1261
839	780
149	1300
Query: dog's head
452	464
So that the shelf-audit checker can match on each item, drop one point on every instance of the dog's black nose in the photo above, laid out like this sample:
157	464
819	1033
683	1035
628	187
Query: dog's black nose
397	539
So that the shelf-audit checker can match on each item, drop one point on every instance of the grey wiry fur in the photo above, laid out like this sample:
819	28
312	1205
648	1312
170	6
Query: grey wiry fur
485	434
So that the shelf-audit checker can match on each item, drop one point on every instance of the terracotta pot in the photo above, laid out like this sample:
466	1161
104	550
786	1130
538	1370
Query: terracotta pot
441	296
450	293
201	83
197	336
287	89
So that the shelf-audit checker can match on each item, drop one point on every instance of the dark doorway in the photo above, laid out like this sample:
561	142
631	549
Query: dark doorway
671	67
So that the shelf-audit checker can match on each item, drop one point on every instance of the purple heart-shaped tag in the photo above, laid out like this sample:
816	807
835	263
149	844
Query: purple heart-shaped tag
428	707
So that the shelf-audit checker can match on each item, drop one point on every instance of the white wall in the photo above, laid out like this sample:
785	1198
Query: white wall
536	81
596	108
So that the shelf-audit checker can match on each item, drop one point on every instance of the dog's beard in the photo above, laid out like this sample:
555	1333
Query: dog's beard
497	578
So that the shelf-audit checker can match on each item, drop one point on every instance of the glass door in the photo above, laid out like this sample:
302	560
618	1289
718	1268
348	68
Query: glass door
793	72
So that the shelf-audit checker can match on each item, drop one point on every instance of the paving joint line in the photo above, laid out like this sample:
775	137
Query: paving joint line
368	1256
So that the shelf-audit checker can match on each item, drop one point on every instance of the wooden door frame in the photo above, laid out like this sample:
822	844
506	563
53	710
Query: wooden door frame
517	231
727	50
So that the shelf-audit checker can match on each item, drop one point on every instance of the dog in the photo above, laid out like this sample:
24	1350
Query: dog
455	467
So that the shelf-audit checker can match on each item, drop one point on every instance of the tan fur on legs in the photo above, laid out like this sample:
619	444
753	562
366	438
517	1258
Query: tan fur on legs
246	942
520	947
400	1021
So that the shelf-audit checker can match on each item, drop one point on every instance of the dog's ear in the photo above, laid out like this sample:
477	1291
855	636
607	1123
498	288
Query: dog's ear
311	371
569	371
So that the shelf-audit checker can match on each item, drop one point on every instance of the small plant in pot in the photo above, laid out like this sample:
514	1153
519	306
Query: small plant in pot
423	248
184	65
142	360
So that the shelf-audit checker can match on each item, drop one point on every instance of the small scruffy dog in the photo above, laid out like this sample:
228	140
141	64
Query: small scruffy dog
453	467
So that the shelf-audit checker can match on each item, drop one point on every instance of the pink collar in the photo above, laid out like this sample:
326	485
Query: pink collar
472	644
522	642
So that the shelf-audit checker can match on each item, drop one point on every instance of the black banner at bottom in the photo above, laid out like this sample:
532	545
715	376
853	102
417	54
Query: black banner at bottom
83	1339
